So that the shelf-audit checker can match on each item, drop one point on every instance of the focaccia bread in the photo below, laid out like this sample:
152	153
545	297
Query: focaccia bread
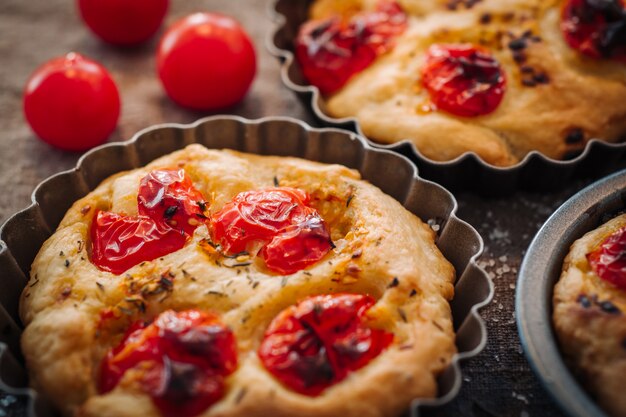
542	83
352	319
589	306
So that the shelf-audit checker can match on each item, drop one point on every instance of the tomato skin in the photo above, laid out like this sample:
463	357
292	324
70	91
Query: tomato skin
72	103
123	22
596	29
180	360
206	61
331	51
463	79
319	341
121	242
297	247
171	200
170	209
291	235
258	216
608	261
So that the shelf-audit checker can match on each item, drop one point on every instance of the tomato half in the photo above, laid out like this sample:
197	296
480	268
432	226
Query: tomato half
290	234
180	360
121	242
331	51
206	61
463	79
72	103
319	341
596	28
123	22
608	261
170	199
170	209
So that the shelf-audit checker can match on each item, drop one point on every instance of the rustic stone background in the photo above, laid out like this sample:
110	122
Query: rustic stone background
496	383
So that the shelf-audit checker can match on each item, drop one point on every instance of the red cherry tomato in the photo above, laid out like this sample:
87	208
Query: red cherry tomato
121	242
463	79
123	22
331	51
180	360
319	341
170	209
596	28
608	261
297	246
206	61
291	234
170	199
72	103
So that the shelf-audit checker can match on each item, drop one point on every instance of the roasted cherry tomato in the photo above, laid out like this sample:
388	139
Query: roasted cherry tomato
180	360
608	261
72	103
463	79
297	246
278	221
319	341
170	199
206	61
331	51
123	22
121	242
596	28
170	209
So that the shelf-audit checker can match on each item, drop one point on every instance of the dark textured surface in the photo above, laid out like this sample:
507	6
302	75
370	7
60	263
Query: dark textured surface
497	383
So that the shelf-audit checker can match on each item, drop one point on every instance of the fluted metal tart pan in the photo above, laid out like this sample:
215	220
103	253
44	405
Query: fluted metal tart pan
539	273
466	172
24	233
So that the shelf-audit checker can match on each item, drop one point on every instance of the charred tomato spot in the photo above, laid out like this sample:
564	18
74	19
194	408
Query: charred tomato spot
574	136
584	301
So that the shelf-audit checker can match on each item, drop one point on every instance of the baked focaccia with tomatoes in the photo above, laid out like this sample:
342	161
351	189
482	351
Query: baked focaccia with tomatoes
217	283
589	307
496	78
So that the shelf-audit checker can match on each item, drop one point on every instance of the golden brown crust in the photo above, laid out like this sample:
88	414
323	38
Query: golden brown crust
581	93
65	339
591	332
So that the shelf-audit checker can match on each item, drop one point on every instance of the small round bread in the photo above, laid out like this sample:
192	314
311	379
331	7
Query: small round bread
590	323
555	98
381	250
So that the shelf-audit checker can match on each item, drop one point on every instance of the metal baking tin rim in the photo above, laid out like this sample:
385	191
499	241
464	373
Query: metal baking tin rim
351	123
533	298
472	318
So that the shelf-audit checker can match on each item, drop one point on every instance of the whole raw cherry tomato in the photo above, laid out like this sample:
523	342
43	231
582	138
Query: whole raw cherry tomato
206	61
71	102
319	341
123	22
180	360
